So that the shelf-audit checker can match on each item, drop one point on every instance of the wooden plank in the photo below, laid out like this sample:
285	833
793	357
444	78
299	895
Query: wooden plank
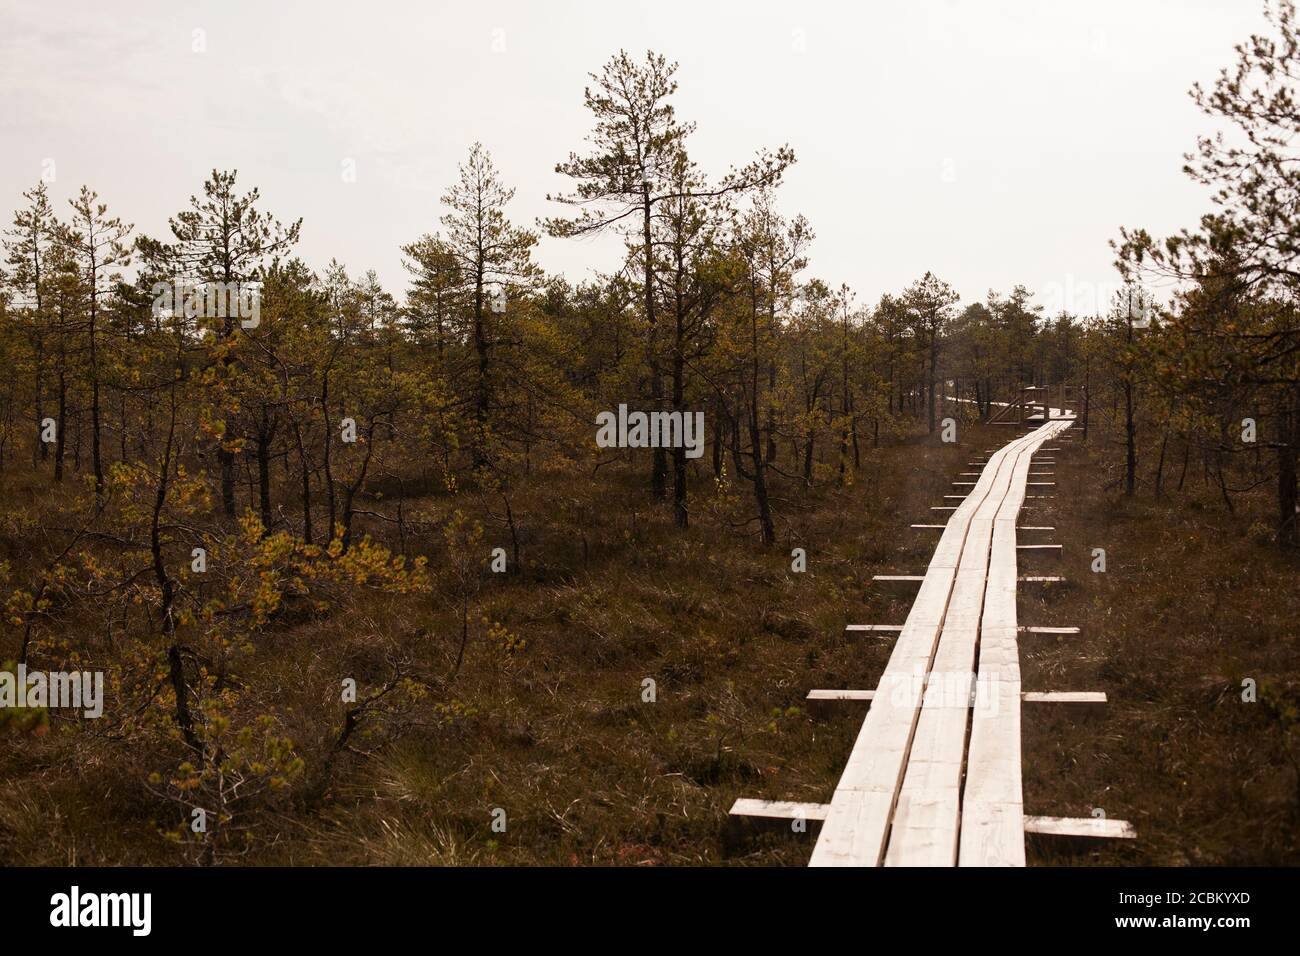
954	699
778	809
931	527
850	695
873	627
1039	547
1042	579
1049	630
1092	828
911	578
1065	697
992	824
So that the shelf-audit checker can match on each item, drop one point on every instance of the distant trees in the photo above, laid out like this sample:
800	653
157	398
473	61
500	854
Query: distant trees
691	276
930	301
636	145
436	297
28	249
98	247
637	164
770	251
222	238
1235	319
494	260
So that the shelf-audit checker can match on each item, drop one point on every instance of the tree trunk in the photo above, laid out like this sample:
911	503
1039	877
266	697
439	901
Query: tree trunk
264	477
176	666
306	486
329	475
96	455
1130	441
60	444
934	360
1288	534
767	529
659	468
808	455
227	460
482	393
43	449
680	514
717	446
1160	464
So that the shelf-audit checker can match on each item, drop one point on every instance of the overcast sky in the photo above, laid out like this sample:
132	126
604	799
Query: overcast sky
992	143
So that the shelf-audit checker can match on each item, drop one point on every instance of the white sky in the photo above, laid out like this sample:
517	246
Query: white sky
1056	122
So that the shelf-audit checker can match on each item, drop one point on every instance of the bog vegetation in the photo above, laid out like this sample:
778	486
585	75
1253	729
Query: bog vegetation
326	550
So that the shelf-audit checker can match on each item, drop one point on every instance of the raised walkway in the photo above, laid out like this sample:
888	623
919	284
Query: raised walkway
933	780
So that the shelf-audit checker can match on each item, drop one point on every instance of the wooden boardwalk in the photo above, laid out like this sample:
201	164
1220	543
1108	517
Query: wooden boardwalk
934	778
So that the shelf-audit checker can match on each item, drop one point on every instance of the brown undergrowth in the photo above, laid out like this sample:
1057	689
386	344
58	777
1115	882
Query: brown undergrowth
546	719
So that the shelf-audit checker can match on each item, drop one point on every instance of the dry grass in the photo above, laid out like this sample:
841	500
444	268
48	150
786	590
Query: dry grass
1192	602
587	773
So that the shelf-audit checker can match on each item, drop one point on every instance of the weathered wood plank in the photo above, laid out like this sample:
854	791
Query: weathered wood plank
992	831
1065	697
853	695
1085	827
778	809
